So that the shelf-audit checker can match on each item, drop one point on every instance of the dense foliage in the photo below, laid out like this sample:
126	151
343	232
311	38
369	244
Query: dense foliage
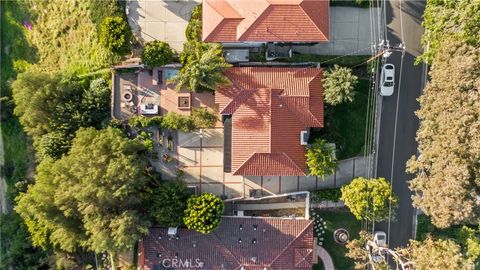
157	53
169	202
450	19
116	36
90	197
338	85
203	212
203	68
16	245
436	254
203	118
321	160
327	194
52	108
193	32
370	199
447	171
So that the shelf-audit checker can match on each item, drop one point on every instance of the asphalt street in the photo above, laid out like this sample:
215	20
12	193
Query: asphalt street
398	123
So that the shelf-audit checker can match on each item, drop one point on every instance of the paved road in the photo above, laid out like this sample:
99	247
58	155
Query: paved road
398	123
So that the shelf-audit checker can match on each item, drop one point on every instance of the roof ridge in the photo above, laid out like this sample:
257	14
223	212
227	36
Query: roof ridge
244	163
240	34
294	239
291	160
310	18
239	101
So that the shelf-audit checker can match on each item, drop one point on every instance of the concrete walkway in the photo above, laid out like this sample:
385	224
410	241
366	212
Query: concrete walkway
350	33
163	20
320	252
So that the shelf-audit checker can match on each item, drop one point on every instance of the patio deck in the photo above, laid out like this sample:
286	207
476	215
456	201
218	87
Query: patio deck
150	86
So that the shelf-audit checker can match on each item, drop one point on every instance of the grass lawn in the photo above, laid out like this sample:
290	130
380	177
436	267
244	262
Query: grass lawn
345	124
66	34
338	219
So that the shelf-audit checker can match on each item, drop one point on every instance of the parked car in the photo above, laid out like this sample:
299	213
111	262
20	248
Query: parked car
387	80
380	239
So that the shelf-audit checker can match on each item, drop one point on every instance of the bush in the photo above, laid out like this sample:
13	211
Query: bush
193	32
53	145
328	194
169	204
369	198
175	121
115	35
203	118
338	85
321	159
203	213
157	53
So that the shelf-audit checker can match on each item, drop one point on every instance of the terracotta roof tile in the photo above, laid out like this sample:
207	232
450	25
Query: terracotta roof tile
275	243
265	20
269	108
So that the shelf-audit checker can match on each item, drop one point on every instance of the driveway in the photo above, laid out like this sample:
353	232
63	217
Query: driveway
163	20
350	33
200	157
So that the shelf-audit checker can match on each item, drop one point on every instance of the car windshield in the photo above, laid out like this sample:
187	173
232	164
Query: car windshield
388	84
381	237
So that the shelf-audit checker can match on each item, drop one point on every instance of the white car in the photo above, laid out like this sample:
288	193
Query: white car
380	239
387	80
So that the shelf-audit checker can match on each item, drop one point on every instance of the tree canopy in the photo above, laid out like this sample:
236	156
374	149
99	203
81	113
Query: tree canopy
338	84
436	254
157	53
169	202
52	108
115	35
203	67
450	19
447	171
89	198
321	160
369	198
203	213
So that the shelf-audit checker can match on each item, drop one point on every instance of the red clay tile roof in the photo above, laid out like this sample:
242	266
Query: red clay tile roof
269	108
265	20
280	244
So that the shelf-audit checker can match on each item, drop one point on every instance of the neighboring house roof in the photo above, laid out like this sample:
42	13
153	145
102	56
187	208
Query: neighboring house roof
265	20
274	244
270	106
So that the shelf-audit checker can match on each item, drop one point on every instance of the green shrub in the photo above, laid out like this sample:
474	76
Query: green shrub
53	145
328	194
193	32
203	213
175	121
115	35
169	203
203	118
339	83
321	159
157	53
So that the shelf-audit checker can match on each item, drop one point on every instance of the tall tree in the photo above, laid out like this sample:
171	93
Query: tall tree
447	171
90	197
436	254
203	68
339	83
203	213
450	19
371	199
170	198
321	160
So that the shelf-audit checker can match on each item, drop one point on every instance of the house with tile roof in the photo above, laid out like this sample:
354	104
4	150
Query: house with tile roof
251	243
267	113
265	21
